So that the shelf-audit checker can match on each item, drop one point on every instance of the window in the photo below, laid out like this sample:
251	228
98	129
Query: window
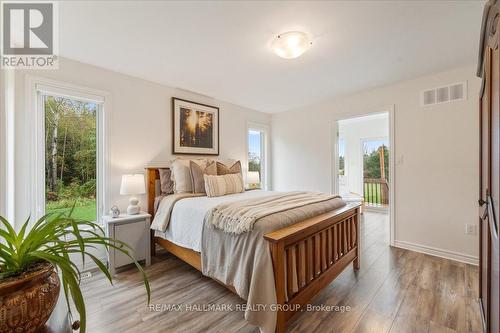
257	157
374	166
376	171
342	177
70	164
341	157
70	156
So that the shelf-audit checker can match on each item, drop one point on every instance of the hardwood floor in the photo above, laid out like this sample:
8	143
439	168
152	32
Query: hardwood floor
394	291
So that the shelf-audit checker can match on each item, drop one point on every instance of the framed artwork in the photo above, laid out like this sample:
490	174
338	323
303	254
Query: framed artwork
195	128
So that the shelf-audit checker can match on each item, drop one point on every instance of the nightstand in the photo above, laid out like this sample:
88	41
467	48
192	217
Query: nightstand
133	230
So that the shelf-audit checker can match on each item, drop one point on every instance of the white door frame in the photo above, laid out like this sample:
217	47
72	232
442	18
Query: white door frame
392	150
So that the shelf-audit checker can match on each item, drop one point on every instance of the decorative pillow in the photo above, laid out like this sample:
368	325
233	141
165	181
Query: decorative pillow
223	169
166	183
217	186
181	174
197	172
226	161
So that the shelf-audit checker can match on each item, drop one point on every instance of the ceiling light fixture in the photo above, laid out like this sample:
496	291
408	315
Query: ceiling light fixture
291	44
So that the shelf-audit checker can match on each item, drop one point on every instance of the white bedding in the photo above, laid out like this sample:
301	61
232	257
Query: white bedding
186	222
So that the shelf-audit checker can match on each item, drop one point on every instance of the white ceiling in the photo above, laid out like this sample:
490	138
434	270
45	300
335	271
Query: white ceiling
221	49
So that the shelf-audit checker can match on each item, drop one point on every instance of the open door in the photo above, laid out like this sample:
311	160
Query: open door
489	70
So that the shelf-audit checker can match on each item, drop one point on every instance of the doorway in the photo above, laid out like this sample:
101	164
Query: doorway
363	164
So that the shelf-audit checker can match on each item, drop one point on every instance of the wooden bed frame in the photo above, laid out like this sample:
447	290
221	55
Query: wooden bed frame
324	246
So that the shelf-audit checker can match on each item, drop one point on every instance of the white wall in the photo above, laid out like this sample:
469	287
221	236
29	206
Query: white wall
436	179
139	132
353	131
3	144
436	151
140	124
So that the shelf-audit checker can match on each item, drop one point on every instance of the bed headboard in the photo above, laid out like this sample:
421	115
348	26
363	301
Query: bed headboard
153	187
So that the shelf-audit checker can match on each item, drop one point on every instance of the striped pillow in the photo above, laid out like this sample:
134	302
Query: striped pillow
217	186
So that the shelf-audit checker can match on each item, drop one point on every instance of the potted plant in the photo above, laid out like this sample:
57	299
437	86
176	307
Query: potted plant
35	261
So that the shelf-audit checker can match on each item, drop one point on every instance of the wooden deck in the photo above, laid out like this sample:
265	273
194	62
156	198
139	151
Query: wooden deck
394	291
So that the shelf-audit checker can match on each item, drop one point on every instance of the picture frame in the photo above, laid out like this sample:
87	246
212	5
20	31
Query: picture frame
195	128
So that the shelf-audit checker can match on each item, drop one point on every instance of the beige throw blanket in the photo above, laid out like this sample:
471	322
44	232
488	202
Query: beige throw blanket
239	217
243	260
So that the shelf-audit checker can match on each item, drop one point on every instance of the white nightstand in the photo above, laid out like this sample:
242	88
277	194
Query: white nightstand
133	230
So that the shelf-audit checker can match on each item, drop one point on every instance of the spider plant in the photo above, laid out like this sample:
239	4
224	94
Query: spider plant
52	239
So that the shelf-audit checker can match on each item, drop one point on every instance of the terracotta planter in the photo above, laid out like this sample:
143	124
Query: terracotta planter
26	303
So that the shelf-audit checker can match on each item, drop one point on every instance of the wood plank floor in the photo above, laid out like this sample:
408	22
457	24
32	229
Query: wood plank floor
394	291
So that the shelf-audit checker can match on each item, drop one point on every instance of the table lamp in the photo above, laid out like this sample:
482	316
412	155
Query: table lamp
132	185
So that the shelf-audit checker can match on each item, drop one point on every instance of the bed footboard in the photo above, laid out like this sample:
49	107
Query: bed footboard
308	255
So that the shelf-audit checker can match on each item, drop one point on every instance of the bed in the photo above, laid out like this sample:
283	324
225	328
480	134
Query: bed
306	256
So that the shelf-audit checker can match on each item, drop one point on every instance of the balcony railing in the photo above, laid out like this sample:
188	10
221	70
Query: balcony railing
376	191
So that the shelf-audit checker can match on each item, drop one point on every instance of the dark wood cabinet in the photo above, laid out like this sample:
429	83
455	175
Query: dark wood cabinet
489	183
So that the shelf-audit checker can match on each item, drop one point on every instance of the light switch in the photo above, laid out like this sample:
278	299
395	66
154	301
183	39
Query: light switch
470	229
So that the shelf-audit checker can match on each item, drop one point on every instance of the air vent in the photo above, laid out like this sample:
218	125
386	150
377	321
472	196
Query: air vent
450	93
429	97
457	91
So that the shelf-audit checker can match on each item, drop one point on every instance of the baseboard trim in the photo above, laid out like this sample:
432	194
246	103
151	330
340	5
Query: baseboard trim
90	265
465	258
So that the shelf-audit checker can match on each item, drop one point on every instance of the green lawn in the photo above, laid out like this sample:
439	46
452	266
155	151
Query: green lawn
84	212
373	193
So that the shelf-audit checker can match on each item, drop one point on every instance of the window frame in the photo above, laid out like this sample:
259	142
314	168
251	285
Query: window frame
40	87
265	152
7	140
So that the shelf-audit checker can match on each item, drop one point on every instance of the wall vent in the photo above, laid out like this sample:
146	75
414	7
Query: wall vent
449	93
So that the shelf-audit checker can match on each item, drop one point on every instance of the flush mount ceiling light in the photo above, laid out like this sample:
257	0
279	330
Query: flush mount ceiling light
291	44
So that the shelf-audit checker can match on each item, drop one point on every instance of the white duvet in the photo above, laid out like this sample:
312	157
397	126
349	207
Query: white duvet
186	222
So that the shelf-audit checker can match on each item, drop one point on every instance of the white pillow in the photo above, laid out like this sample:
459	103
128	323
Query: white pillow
217	186
181	173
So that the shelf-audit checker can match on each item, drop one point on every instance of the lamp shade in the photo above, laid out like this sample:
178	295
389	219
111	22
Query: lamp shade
253	177
133	184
